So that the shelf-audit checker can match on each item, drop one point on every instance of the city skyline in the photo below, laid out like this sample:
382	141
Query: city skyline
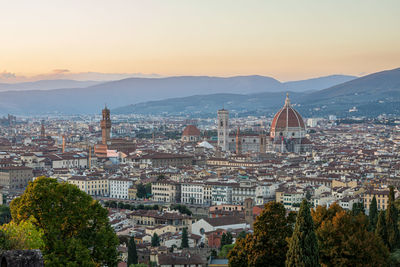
288	41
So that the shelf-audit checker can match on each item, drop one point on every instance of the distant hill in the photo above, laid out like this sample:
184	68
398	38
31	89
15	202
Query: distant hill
246	93
124	92
371	95
46	85
316	84
200	105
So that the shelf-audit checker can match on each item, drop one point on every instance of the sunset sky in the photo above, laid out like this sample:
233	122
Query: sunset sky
287	40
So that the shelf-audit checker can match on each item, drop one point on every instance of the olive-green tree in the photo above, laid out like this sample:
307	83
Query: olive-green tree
76	230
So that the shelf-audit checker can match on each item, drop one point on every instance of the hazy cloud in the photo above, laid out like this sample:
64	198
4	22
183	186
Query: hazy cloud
58	71
7	75
56	74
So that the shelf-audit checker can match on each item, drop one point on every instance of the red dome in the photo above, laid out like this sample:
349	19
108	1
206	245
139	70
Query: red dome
191	130
286	118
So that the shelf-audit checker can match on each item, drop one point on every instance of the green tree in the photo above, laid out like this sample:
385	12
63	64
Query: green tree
132	252
303	245
381	230
373	214
155	240
268	245
223	240
393	236
5	214
213	253
225	250
357	209
76	230
242	234
182	209
148	189
185	239
308	195
141	191
228	238
21	236
344	239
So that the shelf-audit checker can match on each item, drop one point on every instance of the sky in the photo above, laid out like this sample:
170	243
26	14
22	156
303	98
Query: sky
288	39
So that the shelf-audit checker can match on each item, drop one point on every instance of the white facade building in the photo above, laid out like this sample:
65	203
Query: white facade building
119	187
192	193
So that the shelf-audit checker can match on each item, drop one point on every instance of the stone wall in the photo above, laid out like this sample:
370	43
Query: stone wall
21	258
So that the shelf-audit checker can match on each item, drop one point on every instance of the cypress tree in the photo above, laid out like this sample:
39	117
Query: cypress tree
132	253
223	240
357	209
155	240
228	238
373	214
393	235
185	240
381	230
303	247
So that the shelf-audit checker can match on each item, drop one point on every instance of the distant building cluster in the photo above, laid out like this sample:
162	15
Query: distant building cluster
212	176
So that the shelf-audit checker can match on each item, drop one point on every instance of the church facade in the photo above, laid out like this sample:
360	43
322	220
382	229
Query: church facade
287	134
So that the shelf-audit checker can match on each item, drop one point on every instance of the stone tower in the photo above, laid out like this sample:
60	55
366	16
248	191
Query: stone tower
238	142
105	126
248	211
42	130
223	129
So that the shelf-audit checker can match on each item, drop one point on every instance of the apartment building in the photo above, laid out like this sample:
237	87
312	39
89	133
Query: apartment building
192	193
166	191
94	186
119	187
15	177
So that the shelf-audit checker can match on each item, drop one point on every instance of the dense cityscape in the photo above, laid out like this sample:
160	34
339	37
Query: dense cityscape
169	133
186	189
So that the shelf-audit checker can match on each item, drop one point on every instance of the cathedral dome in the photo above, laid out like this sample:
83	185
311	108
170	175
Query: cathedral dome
191	130
287	122
191	134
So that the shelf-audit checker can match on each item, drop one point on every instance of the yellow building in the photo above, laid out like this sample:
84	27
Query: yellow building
161	229
132	191
382	198
338	183
94	186
166	191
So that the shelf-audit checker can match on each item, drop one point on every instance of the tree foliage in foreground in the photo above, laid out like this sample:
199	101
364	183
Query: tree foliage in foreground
268	245
76	231
5	214
303	245
185	238
373	214
344	239
132	252
393	235
20	236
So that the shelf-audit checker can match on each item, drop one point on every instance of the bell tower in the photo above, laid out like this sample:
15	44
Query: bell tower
223	129
105	125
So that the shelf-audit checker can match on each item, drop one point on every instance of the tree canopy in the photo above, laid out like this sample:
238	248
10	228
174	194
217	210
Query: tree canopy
268	245
344	239
303	245
155	240
185	239
132	252
75	228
